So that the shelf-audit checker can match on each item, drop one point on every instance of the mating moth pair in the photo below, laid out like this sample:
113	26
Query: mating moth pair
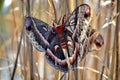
67	42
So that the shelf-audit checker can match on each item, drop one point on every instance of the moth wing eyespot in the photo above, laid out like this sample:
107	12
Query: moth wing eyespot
99	41
28	25
56	47
86	15
28	28
40	30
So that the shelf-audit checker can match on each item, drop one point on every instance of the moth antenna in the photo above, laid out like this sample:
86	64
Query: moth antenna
59	20
54	24
63	19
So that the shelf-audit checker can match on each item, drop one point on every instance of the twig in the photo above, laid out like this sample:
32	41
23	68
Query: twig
30	60
18	52
93	70
117	42
102	72
86	68
54	10
67	7
28	8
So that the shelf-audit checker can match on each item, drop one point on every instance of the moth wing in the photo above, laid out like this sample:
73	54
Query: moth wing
38	33
77	17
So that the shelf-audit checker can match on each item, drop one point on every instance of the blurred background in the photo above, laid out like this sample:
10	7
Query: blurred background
97	65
